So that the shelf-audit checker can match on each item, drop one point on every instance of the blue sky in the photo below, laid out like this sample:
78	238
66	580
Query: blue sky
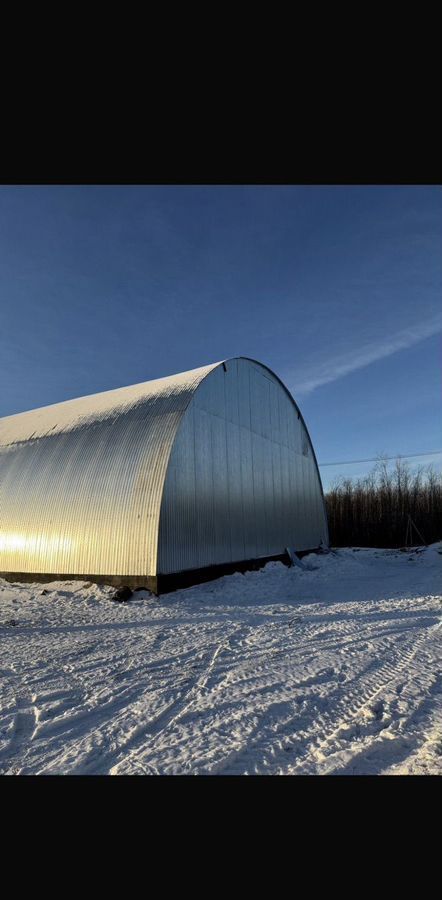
337	289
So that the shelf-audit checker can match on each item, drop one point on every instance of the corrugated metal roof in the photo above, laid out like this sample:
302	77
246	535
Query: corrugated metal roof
81	481
170	393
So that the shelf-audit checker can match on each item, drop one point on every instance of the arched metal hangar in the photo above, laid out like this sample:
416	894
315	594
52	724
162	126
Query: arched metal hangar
187	475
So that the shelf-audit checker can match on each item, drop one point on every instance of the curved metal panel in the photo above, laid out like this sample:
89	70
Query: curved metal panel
81	482
242	480
206	467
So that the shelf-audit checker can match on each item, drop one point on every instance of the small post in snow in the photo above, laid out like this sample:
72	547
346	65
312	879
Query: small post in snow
294	559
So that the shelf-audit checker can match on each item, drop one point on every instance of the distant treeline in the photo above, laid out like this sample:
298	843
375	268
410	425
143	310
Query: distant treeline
373	511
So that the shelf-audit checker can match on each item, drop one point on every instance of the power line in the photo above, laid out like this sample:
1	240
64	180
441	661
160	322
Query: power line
351	462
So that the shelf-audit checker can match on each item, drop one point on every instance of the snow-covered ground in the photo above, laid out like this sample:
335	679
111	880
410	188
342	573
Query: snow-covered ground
332	670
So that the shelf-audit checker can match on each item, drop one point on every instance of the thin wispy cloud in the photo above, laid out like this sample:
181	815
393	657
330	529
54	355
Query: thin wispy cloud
338	366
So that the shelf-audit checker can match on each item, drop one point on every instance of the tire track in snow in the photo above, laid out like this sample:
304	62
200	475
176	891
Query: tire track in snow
260	754
404	750
304	669
23	731
317	751
94	761
145	739
330	743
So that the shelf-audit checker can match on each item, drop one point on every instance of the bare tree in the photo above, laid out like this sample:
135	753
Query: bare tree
374	511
